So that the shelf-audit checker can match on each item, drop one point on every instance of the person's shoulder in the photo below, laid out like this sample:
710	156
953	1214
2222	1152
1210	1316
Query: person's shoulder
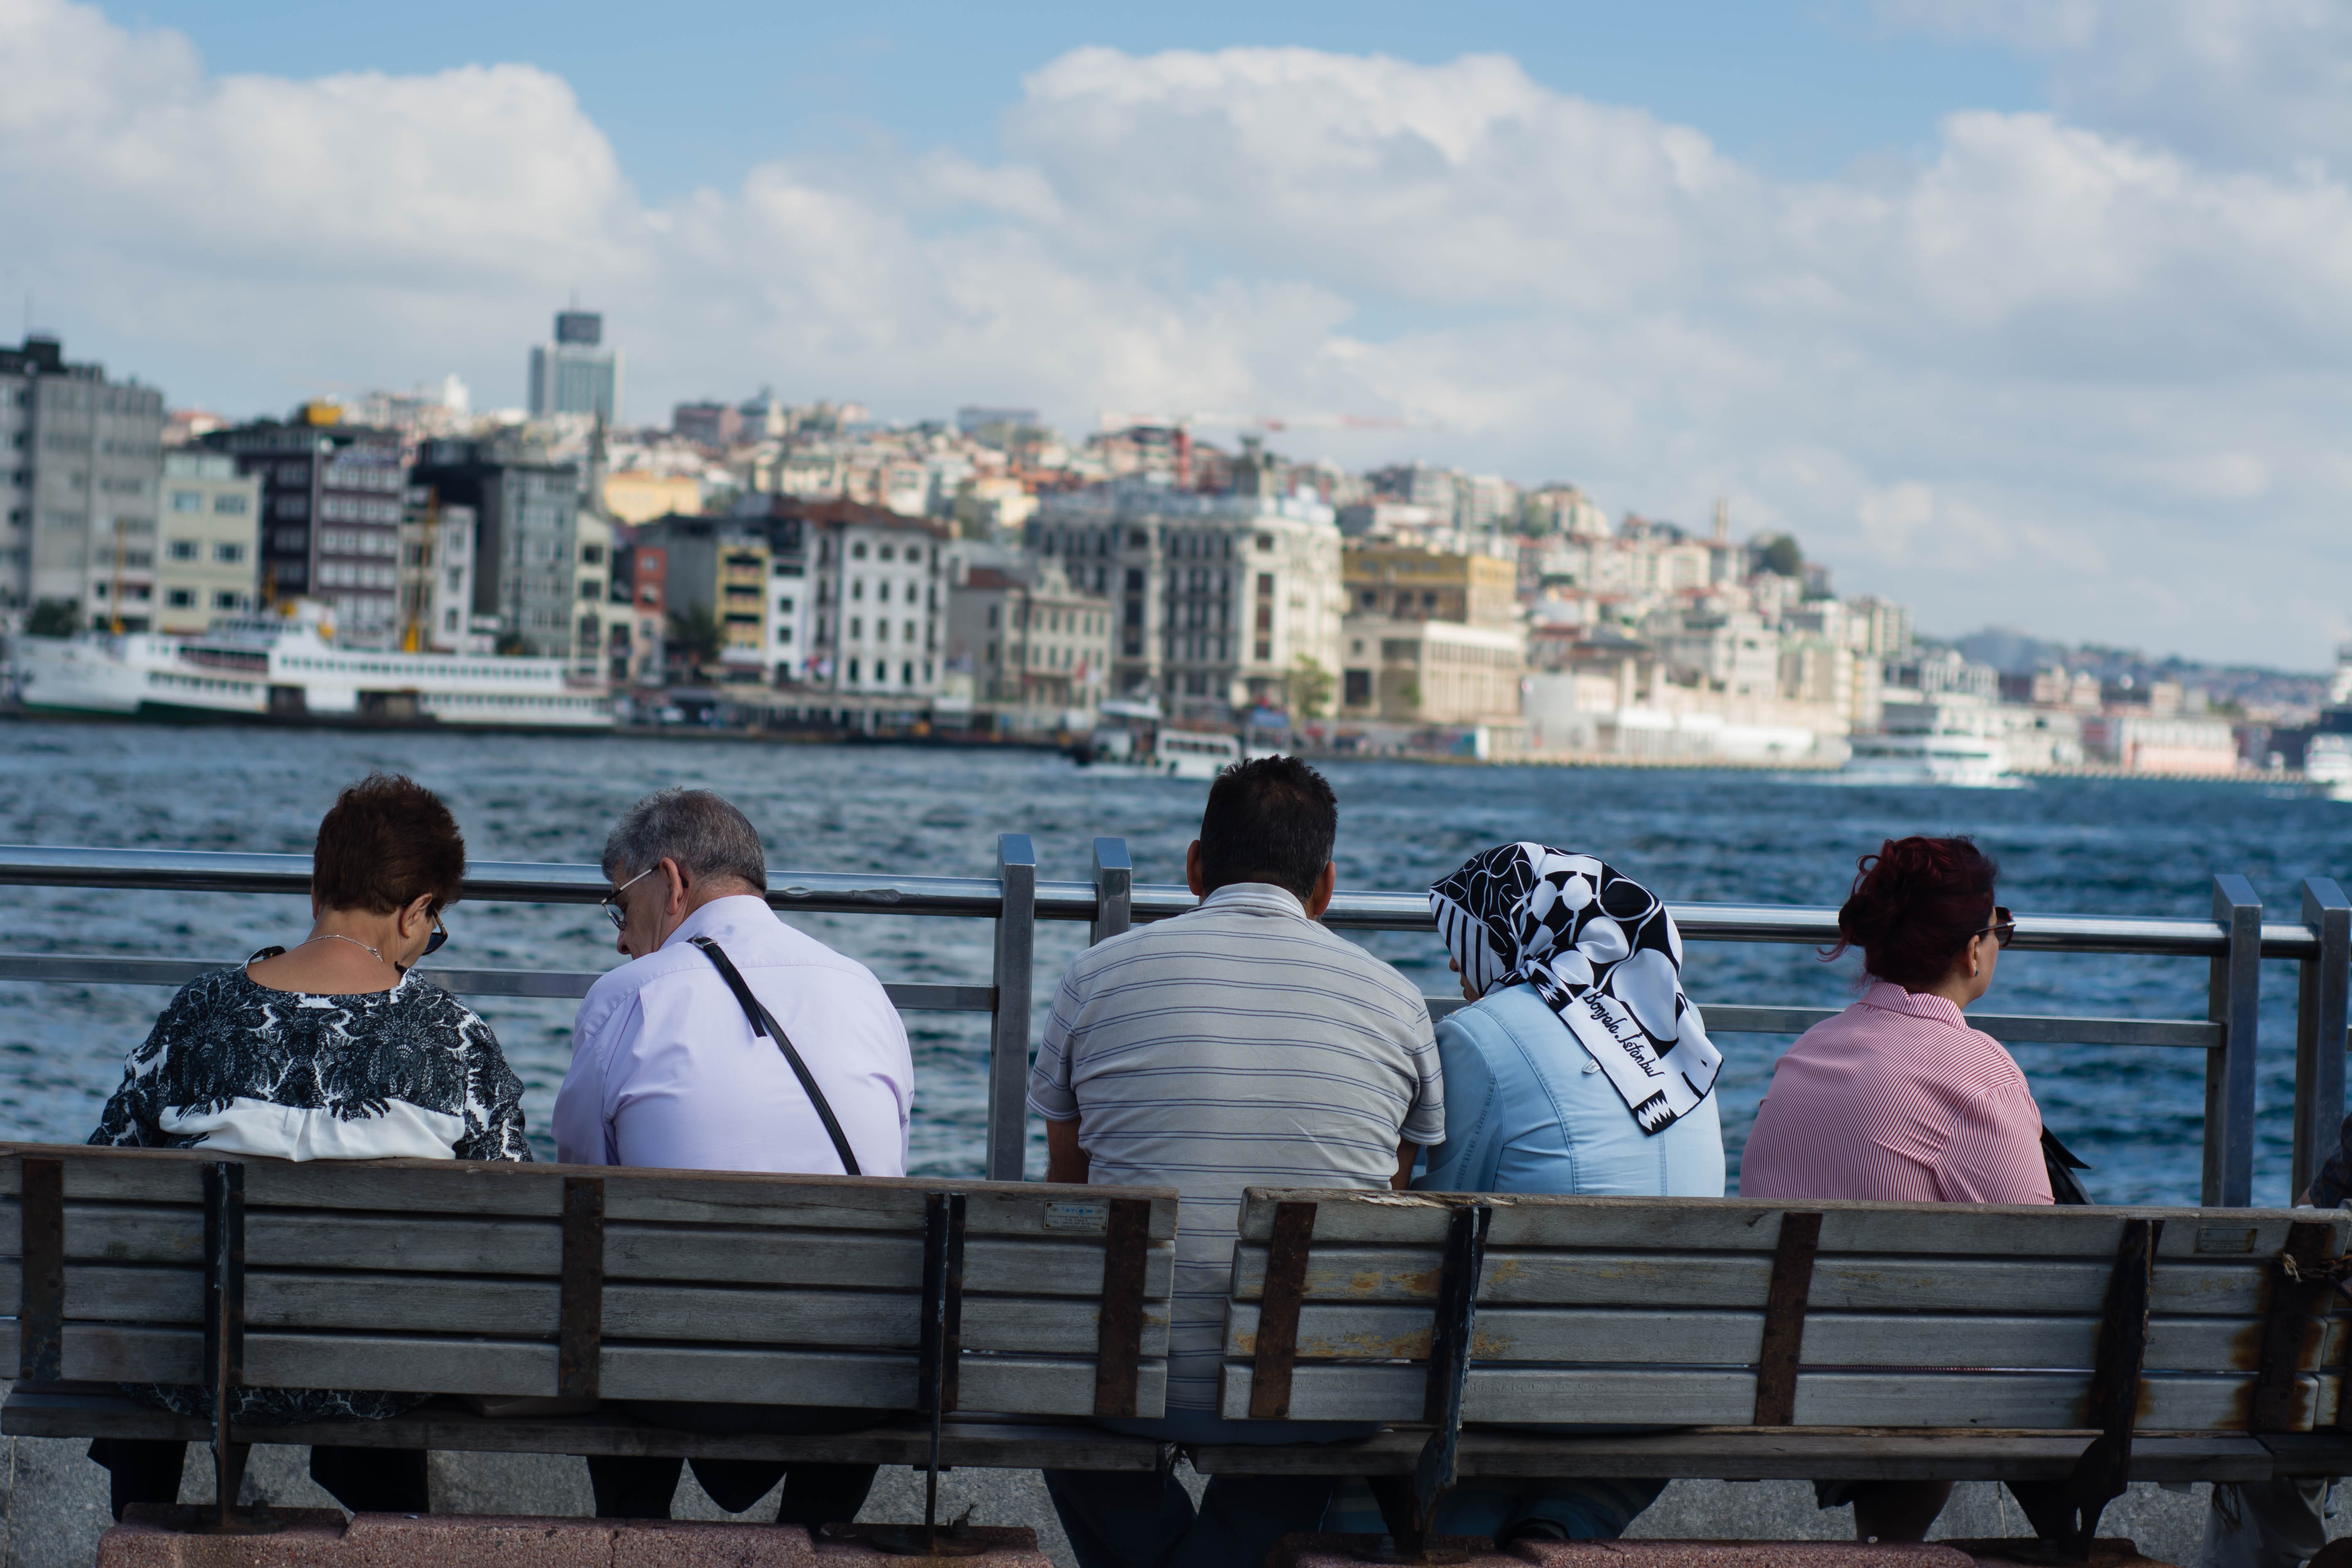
420	997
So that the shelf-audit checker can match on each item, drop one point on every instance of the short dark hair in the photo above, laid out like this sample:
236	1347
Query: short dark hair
387	842
1914	905
1270	819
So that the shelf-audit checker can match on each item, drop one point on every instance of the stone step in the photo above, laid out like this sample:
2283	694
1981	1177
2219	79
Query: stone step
321	1538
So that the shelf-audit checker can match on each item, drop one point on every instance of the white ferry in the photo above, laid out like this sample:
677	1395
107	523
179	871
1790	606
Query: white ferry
290	668
1130	741
1946	740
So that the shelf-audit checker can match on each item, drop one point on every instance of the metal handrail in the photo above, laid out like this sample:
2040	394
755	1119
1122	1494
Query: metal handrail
980	897
2233	942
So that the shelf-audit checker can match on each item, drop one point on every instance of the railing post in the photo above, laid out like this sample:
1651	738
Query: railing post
2233	1000
1114	876
2319	1025
1008	1036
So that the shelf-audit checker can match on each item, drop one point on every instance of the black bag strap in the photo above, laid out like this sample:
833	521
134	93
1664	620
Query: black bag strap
764	1022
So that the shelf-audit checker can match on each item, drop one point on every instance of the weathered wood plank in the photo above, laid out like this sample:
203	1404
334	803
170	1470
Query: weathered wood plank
89	1410
1709	1338
488	1188
1730	1224
2206	1288
517	1309
1014	1384
442	1244
2031	1400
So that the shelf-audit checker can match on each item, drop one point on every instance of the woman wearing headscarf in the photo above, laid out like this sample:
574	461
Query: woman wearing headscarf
1579	1067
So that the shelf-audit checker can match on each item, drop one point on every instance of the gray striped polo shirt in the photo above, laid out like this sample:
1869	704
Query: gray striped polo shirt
1239	1044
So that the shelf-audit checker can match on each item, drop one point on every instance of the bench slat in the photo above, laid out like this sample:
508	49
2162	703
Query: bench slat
2031	1400
1716	1224
488	1188
89	1410
439	1244
519	1309
2204	1288
1014	1384
1704	1338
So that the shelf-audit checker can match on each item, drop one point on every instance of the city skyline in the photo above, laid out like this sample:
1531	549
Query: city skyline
2059	345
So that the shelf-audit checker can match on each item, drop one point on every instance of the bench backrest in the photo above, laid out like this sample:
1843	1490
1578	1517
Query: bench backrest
1678	1311
511	1279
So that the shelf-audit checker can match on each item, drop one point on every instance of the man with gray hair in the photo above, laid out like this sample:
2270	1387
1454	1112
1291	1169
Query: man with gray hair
729	1042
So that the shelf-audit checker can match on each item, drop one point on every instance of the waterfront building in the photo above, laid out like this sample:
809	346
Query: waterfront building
878	609
1029	639
1220	601
207	562
688	568
1419	670
576	374
531	547
331	498
2140	741
436	579
80	460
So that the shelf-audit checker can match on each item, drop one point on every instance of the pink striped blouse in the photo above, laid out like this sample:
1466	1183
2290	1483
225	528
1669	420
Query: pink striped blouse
1897	1099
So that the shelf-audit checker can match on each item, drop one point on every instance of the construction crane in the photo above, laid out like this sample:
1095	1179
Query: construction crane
1269	422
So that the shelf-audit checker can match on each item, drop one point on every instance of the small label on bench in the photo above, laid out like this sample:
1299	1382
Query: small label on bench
2224	1238
1093	1217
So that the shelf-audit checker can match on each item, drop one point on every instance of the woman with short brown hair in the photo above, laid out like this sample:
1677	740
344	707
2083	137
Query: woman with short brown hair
331	1049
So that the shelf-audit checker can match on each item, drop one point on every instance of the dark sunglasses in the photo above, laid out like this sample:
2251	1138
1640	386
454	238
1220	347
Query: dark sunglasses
438	939
2003	929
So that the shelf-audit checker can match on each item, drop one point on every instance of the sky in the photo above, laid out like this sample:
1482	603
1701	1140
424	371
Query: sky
2029	314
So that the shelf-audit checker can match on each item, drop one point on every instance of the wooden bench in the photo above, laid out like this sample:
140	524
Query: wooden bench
999	1314
2075	1347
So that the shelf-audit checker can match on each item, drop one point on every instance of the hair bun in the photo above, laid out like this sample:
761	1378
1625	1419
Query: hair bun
1915	904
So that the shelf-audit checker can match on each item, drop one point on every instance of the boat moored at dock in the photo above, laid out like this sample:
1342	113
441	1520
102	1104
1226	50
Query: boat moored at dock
290	668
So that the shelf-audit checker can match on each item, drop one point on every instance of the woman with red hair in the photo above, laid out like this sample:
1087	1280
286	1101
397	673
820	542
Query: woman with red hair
1896	1097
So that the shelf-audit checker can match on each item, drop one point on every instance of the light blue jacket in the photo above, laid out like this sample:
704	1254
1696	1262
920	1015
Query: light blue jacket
1528	1110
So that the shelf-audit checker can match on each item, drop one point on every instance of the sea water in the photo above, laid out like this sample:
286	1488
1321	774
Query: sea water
2066	847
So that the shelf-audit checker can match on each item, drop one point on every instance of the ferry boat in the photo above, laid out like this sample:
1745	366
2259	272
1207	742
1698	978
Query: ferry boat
2327	748
1947	740
1130	740
289	669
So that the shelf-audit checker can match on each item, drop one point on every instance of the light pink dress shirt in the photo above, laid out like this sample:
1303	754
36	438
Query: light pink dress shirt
665	1071
1897	1099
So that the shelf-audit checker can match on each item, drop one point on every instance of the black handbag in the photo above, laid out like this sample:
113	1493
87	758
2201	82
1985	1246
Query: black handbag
764	1022
2065	1187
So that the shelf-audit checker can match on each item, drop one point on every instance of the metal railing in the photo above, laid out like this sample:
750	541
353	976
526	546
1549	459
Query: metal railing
2233	942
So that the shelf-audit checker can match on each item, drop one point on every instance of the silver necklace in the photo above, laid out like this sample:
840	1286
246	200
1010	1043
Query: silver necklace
337	936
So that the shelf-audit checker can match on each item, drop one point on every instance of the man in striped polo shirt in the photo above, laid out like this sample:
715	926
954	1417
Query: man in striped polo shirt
1238	1044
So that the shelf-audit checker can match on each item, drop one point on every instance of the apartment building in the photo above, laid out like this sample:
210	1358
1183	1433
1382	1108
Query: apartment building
332	504
541	560
1220	601
875	577
1030	639
81	460
207	558
1413	582
436	580
746	572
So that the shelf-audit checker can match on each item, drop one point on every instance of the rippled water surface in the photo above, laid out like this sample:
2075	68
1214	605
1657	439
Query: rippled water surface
2066	847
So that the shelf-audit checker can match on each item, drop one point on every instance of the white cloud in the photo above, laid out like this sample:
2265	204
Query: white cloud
2025	378
2255	82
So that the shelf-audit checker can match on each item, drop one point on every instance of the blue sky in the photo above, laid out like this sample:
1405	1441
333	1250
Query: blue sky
2029	312
1800	89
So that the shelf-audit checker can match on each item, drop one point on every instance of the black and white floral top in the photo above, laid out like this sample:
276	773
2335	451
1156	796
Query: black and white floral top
237	1068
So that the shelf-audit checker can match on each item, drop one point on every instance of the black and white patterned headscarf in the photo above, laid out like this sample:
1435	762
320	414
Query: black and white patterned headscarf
1601	951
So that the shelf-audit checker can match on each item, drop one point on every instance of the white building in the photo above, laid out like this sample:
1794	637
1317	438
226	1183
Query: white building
878	602
436	581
